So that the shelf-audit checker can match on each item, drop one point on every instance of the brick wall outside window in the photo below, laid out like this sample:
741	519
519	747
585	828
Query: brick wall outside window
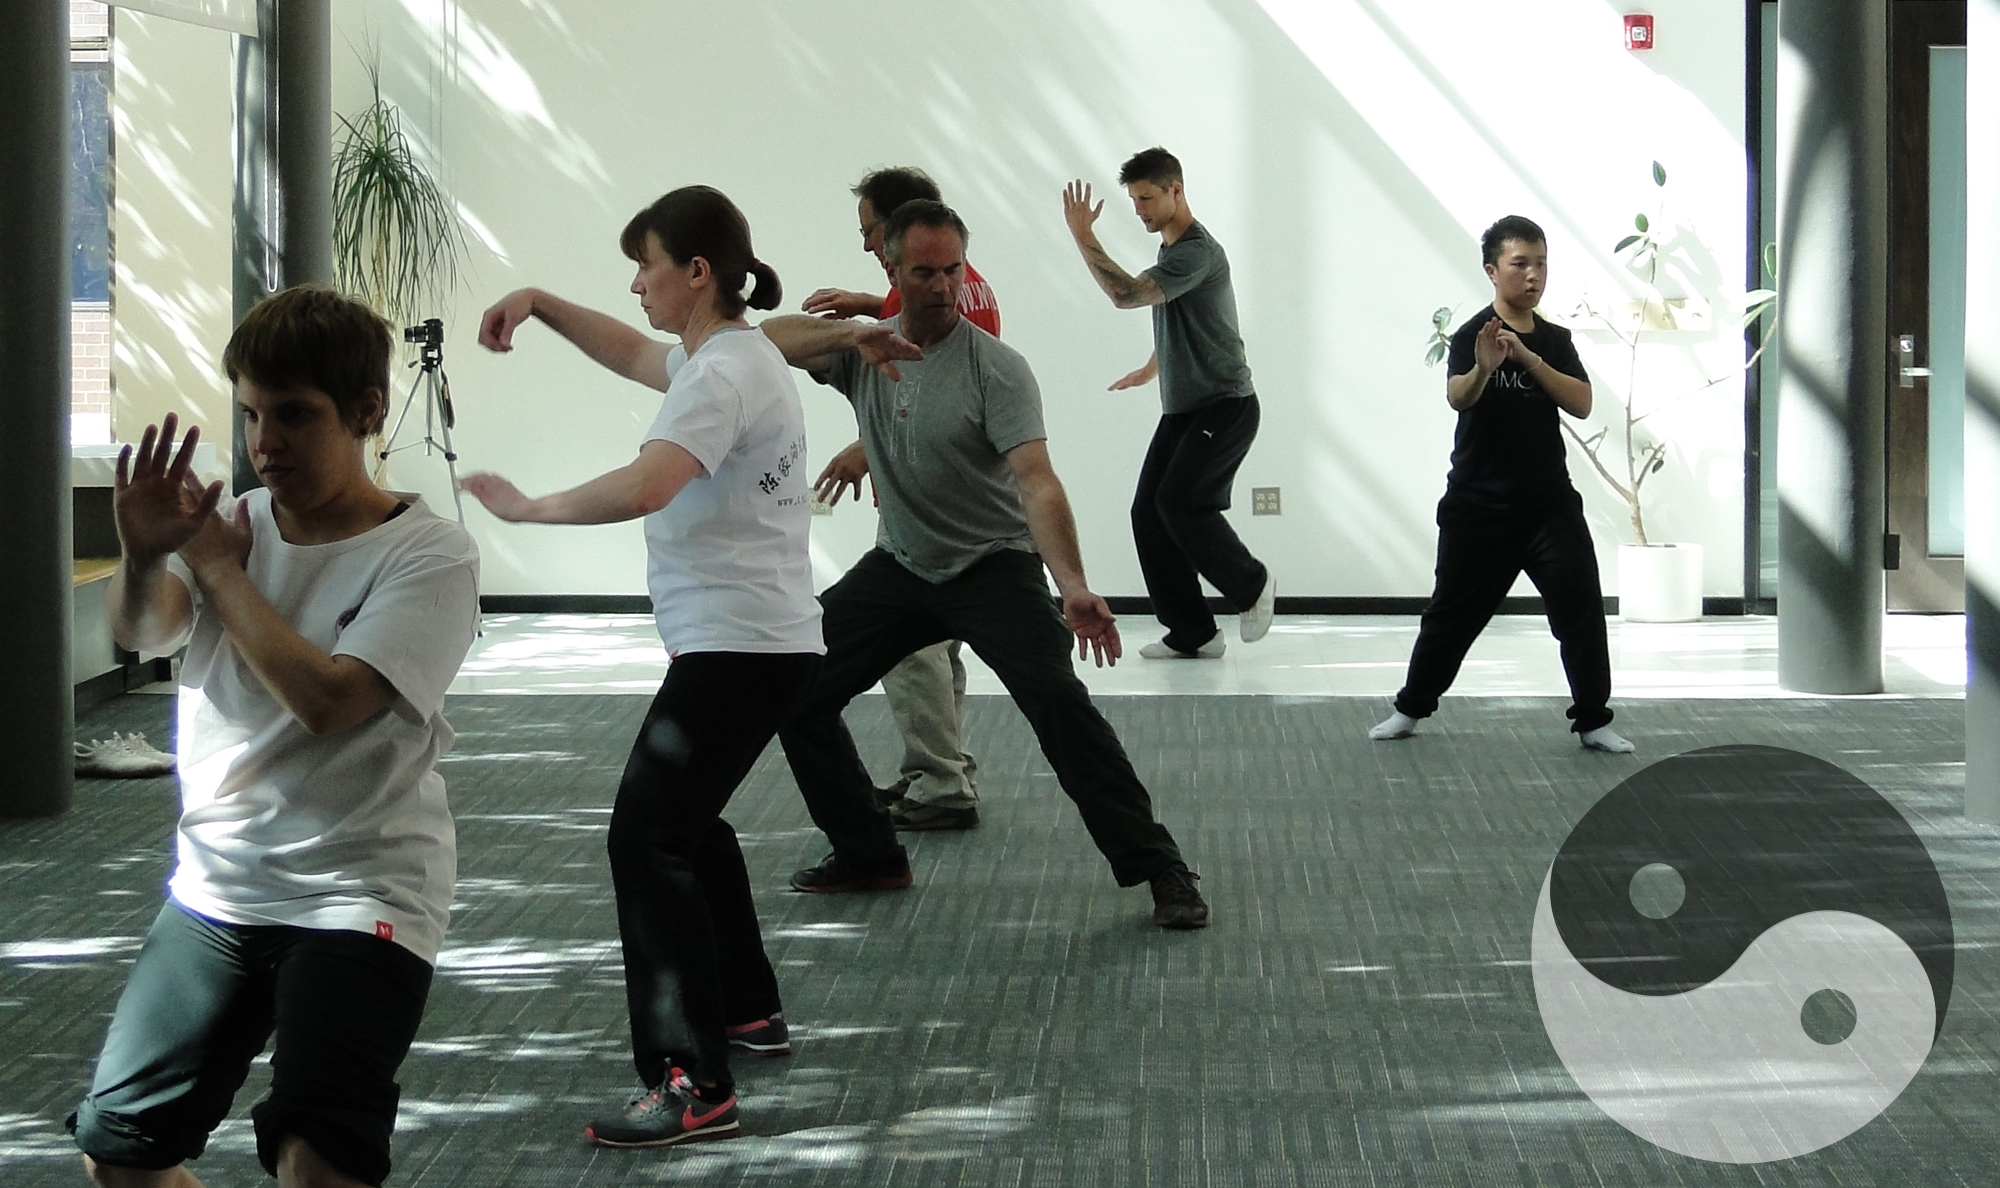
90	357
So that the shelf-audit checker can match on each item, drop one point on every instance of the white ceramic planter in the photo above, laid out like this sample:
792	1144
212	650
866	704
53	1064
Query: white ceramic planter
1659	583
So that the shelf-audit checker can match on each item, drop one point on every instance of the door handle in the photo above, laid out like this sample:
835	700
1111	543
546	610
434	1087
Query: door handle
1906	356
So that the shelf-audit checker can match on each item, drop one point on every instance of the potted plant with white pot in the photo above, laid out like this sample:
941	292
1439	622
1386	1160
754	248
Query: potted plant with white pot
1658	581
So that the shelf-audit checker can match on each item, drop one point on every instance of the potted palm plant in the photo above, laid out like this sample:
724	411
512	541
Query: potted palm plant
397	240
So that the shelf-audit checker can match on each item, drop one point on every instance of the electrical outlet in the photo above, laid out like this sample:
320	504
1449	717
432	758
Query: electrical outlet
1264	502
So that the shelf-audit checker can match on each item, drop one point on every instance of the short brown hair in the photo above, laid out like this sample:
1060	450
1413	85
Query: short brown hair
312	337
1155	165
920	212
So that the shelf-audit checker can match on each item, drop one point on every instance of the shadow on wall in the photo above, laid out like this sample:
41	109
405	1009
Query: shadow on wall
542	119
171	225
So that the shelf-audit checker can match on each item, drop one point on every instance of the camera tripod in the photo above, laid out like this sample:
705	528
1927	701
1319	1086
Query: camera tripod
438	415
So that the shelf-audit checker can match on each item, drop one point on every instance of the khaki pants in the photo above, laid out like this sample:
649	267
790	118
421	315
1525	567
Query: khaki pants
927	697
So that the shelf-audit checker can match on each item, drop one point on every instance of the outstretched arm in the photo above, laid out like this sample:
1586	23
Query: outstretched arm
605	339
1125	290
810	343
843	303
1054	530
640	488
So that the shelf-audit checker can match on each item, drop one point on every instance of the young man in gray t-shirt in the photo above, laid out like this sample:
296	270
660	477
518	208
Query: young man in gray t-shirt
1208	412
972	512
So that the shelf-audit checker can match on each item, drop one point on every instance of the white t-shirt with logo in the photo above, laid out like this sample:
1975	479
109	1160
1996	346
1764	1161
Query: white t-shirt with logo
344	831
728	561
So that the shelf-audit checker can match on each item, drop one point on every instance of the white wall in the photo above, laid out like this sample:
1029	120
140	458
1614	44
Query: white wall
1346	152
170	225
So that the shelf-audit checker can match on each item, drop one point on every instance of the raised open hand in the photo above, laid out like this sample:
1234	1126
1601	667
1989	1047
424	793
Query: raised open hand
156	502
223	539
1077	210
1095	626
1488	351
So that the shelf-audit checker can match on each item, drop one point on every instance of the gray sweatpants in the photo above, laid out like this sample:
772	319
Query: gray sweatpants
927	697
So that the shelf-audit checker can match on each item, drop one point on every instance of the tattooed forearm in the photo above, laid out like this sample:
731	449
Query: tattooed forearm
1122	287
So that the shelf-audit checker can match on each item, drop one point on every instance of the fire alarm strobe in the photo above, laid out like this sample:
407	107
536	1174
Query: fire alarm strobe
1639	31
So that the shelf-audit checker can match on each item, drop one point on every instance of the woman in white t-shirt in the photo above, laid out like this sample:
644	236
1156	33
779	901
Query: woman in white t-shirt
721	485
324	619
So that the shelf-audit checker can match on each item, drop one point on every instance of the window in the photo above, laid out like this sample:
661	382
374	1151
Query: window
90	222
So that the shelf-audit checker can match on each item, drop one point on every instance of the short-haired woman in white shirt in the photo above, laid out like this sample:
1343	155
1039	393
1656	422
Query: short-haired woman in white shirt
720	481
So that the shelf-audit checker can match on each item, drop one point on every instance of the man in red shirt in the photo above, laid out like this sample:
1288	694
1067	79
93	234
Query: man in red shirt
937	788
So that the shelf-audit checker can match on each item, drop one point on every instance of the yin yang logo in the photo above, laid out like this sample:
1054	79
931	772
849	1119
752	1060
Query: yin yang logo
1742	954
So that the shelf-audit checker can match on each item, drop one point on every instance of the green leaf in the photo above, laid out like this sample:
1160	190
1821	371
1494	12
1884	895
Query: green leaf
1442	317
1437	352
1659	174
1624	243
1639	221
1657	464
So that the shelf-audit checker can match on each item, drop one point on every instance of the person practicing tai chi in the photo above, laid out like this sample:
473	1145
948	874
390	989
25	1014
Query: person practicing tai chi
1208	413
1508	505
938	786
324	618
972	511
720	483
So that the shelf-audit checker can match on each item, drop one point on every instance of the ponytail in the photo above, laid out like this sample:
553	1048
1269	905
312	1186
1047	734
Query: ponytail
768	292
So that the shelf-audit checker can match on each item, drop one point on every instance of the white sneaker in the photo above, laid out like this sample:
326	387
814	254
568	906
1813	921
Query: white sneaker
1158	650
1396	725
127	755
1604	738
1255	623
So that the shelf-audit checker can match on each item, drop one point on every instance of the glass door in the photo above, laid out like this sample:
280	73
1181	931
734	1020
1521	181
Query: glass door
1926	374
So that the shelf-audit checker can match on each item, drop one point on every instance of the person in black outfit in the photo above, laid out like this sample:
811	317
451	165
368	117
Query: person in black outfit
1208	413
1508	505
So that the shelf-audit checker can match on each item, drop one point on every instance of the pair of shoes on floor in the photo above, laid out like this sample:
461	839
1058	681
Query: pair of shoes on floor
676	1112
1255	623
1401	725
888	794
1177	903
835	875
765	1037
127	756
915	816
1158	650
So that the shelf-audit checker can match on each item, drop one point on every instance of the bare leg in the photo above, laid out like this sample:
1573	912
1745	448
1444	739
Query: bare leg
299	1166
106	1176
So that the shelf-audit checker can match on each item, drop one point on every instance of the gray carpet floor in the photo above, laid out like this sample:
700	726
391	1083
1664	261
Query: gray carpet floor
1360	1013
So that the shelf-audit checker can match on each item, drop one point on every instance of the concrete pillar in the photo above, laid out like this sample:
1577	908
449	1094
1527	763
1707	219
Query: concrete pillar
35	698
1832	137
284	164
1982	413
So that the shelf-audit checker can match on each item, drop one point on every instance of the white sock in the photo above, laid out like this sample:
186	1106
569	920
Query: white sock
1604	738
1398	725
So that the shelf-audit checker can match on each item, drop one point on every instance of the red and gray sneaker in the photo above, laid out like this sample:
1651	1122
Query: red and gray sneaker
765	1037
673	1113
835	875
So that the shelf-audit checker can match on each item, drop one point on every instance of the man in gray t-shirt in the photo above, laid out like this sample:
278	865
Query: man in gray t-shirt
971	513
1208	419
937	445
